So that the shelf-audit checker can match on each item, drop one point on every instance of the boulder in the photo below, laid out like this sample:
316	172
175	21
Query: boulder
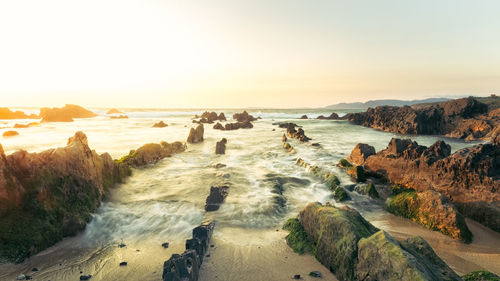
10	134
367	189
432	210
114	111
360	152
304	117
65	114
160	124
220	146
218	126
336	233
381	257
216	197
196	135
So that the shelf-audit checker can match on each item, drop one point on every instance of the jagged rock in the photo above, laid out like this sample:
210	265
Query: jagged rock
465	118
210	117
432	210
10	133
304	117
151	153
333	116
220	146
114	111
297	134
468	177
381	257
336	233
244	117
360	152
196	135
160	124
6	113
185	267
216	197
65	114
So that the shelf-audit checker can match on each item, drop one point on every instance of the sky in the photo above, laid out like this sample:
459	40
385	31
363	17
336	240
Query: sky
258	53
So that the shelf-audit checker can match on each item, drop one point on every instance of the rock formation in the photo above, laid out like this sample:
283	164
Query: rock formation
6	113
333	116
48	195
220	146
296	134
65	114
234	126
151	153
465	118
210	117
160	124
216	197
23	126
303	117
10	134
244	117
353	249
468	177
114	111
187	265
196	135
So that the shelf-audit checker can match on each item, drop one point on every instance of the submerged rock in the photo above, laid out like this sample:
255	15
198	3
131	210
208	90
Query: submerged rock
367	189
216	197
10	134
220	146
160	124
196	135
65	114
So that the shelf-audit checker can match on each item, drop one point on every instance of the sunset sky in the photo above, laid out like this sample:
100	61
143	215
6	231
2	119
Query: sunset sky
227	53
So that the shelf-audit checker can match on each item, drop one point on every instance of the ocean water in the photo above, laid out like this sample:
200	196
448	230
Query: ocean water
163	202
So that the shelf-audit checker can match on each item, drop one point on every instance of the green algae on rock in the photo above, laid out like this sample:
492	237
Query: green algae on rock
297	238
480	275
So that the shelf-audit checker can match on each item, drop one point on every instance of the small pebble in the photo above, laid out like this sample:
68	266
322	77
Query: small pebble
34	269
21	277
296	276
123	263
165	245
208	256
28	277
211	246
85	277
122	245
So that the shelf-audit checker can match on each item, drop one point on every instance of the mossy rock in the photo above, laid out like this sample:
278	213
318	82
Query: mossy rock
358	173
332	181
335	233
367	189
297	238
344	163
340	194
480	275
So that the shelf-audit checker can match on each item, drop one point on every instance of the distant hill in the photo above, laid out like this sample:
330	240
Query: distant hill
374	103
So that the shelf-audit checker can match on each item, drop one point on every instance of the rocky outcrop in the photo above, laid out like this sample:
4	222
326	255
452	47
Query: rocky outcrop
465	118
48	195
160	124
216	197
234	126
296	134
196	135
333	116
6	113
210	117
303	117
468	177
114	111
220	146
244	117
432	210
353	249
187	265
65	114
151	153
360	152
10	134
